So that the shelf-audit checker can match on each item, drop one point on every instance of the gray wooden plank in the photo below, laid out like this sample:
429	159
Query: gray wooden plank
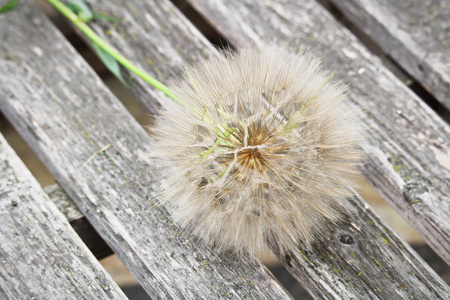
364	259
415	33
369	254
41	256
335	276
409	145
66	114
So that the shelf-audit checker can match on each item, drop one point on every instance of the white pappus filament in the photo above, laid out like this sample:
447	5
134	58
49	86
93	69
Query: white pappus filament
262	152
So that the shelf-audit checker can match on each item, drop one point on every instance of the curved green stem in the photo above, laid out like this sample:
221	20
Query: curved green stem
113	52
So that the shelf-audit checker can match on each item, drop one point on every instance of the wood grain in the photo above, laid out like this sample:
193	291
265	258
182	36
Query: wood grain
337	277
408	144
363	258
41	256
415	33
63	110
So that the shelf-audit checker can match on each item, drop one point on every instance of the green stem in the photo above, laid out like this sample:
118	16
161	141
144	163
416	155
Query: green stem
113	52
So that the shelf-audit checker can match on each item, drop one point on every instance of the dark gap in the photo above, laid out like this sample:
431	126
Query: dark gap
202	25
432	102
91	238
135	292
433	260
388	62
29	158
289	282
417	88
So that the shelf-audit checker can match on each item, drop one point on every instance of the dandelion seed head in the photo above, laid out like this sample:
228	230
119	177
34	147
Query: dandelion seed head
263	151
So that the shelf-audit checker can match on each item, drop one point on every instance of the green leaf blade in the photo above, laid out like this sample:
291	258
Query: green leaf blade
81	10
110	62
9	6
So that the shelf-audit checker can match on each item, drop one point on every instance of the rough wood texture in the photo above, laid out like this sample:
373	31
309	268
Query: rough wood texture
408	144
78	221
66	114
339	273
41	257
364	259
415	33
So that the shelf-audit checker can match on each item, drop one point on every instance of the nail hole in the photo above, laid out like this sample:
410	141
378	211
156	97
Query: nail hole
287	260
346	239
420	67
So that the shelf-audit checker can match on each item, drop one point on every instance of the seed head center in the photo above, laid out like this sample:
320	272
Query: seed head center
251	158
244	145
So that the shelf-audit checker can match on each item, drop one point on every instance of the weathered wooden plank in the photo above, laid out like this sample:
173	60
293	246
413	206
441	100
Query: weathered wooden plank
353	254
408	146
338	276
41	256
364	259
66	114
415	33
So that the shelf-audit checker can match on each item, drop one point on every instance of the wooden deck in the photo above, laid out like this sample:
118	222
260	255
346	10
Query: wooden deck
66	114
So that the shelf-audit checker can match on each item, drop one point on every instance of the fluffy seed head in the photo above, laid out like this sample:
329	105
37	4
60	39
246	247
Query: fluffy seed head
262	152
